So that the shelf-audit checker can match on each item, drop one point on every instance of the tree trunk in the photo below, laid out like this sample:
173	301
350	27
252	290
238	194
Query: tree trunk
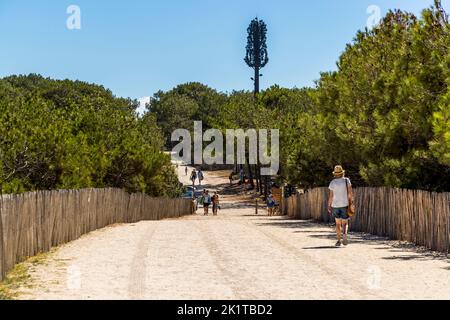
256	81
266	186
2	253
250	172
258	179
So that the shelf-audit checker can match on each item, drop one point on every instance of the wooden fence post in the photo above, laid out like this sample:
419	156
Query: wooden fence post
36	221
2	252
417	216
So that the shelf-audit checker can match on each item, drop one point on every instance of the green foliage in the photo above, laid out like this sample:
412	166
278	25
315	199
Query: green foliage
179	107
384	114
441	125
65	134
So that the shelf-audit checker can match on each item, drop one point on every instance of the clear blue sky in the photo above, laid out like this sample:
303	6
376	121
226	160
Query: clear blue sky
137	47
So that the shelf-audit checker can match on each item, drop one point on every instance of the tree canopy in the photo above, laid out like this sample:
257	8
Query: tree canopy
384	113
71	134
179	107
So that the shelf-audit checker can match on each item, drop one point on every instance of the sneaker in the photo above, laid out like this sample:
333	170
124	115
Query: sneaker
338	244
345	242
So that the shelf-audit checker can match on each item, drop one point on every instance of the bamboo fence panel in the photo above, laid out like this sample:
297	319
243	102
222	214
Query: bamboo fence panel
35	222
417	216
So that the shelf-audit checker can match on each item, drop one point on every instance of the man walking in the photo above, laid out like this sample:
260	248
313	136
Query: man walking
206	201
339	200
241	176
215	202
193	177
230	177
200	177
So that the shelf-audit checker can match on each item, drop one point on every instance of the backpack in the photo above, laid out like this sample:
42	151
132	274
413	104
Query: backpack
351	211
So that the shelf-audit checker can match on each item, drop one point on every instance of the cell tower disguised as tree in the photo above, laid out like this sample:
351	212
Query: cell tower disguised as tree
256	56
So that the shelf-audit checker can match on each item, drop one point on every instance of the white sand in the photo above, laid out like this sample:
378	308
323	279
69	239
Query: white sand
236	255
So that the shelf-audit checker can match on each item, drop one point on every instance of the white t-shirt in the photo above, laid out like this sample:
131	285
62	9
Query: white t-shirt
339	188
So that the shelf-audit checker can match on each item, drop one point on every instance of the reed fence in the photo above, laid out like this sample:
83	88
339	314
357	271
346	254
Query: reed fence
35	222
417	216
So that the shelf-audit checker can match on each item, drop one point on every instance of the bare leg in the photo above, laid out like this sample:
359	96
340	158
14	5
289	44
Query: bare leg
344	230
338	229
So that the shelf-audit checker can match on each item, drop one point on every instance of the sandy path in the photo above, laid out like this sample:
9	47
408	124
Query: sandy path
236	255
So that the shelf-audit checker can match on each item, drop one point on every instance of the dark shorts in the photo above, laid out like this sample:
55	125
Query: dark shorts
340	213
206	204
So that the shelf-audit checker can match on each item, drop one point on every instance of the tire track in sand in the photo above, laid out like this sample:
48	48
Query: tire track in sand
243	286
137	282
289	248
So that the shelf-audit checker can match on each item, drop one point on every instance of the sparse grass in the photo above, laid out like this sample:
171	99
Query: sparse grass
19	277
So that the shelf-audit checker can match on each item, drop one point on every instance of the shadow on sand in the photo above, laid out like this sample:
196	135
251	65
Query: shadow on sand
313	229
